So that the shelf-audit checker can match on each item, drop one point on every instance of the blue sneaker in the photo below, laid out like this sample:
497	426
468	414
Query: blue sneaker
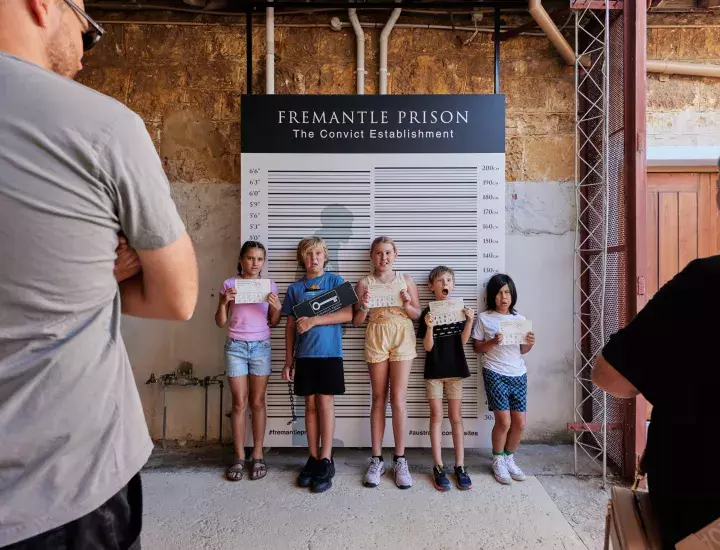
463	479
442	483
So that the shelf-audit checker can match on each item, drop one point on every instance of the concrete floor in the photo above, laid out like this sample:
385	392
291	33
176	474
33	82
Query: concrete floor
190	506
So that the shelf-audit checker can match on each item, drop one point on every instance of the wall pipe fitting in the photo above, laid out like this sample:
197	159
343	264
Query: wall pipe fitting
544	21
384	37
270	55
183	377
682	67
359	50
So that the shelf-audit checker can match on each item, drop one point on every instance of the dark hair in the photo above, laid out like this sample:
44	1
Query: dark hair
494	285
438	271
247	246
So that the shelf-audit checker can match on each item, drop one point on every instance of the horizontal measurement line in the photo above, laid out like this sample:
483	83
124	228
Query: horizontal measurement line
318	171
430	198
320	182
426	168
301	204
330	227
435	182
424	212
329	238
445	227
340	193
448	256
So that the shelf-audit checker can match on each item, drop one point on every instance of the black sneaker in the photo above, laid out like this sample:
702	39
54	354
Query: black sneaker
306	476
463	479
442	483
324	472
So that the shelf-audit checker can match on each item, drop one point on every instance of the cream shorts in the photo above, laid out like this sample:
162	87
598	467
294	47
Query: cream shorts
393	340
453	388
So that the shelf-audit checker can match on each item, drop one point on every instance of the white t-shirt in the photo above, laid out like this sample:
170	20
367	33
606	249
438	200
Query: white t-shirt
506	360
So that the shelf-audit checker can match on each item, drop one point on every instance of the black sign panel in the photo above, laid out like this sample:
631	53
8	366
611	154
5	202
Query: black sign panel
373	124
328	302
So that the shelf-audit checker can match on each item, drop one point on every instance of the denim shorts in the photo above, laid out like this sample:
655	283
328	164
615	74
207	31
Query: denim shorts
243	358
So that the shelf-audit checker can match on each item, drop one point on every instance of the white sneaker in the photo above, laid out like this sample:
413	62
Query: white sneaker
403	479
513	469
376	468
500	470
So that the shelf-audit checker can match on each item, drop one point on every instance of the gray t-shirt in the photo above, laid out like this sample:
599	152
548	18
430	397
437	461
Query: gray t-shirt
76	167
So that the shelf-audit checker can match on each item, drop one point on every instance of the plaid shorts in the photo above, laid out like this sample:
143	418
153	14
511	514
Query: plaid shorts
505	392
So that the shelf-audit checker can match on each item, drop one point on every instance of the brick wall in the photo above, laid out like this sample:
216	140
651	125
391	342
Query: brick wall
684	110
186	81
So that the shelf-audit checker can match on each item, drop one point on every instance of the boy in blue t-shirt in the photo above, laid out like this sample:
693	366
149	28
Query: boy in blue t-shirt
314	360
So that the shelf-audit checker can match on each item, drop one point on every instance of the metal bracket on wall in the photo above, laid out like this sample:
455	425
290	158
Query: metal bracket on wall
596	4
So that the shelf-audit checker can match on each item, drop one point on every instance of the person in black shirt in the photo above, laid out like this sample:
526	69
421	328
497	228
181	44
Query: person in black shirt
445	367
668	354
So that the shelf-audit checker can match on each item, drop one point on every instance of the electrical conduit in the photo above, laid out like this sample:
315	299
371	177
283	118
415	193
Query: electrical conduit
681	67
384	37
270	55
544	21
360	50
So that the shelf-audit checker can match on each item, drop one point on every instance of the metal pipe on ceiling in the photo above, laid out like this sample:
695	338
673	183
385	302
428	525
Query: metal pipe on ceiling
541	17
249	50
359	51
384	38
683	68
270	50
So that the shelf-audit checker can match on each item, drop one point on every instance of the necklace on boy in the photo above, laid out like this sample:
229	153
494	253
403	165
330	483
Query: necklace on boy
316	286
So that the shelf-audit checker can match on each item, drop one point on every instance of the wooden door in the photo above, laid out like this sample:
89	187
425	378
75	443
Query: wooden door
682	223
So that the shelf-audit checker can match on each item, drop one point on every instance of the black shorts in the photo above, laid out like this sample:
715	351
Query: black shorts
319	376
115	525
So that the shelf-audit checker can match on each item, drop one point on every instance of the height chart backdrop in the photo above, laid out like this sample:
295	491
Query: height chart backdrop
428	171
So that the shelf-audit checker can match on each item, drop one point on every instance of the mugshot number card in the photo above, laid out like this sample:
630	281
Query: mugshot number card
428	171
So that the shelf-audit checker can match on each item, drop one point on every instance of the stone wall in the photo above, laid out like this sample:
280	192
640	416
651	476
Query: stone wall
186	81
684	110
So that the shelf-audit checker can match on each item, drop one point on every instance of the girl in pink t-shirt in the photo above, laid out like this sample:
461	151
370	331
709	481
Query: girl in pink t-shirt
247	351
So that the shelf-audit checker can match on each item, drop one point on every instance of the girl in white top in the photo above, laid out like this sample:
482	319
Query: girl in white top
504	375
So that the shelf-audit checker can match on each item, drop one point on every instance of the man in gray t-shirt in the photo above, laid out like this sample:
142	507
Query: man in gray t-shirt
76	169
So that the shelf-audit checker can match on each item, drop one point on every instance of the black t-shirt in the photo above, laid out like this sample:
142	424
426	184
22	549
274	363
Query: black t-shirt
669	352
447	357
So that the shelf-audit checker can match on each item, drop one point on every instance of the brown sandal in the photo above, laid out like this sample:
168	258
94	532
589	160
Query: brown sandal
259	469
235	471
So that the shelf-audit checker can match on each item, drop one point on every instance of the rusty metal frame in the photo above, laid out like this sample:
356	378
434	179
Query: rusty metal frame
596	4
635	59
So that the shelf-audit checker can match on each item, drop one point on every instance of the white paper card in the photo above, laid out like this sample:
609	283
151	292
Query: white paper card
385	295
447	312
251	291
515	332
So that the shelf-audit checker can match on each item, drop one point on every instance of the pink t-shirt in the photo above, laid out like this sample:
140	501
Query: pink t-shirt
248	322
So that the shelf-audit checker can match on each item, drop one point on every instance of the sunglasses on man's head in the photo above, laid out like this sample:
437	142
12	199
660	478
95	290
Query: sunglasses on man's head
94	32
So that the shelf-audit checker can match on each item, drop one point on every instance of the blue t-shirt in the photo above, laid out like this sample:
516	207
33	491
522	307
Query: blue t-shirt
321	341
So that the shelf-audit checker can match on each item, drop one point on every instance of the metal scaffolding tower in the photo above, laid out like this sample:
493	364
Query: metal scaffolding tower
592	192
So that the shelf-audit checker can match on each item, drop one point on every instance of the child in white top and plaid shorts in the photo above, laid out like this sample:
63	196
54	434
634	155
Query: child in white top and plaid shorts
504	376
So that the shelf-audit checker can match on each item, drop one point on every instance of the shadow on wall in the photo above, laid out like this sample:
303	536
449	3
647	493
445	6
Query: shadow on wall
336	229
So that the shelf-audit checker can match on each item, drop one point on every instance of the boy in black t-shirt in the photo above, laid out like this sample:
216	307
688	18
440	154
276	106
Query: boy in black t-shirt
445	367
